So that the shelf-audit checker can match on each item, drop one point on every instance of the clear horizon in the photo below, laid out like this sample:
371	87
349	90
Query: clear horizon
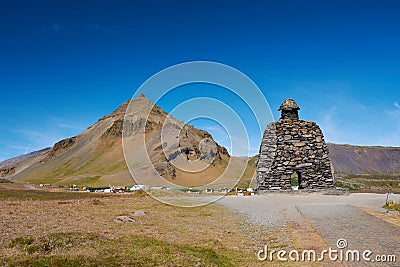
66	64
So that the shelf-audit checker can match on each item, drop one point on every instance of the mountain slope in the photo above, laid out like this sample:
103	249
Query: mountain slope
95	157
364	159
23	157
87	157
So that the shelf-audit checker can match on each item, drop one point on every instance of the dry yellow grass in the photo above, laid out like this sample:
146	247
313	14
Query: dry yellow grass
85	227
304	237
79	229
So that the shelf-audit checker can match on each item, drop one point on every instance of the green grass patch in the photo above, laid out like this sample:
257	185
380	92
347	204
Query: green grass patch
112	168
63	170
80	249
94	163
12	193
21	194
294	181
85	181
377	176
350	186
243	185
392	206
376	182
21	242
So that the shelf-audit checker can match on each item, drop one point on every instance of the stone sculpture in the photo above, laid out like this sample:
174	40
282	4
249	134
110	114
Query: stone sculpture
293	154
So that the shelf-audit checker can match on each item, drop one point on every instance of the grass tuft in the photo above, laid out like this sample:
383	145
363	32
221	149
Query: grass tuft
392	206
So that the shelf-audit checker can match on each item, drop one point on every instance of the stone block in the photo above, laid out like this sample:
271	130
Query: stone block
299	144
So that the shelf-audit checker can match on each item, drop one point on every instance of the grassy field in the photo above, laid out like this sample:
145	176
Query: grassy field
44	228
370	182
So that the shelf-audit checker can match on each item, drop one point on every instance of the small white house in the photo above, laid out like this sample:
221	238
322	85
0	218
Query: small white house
225	190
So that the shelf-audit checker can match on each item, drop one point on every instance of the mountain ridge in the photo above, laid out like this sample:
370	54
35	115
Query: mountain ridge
354	159
95	156
22	157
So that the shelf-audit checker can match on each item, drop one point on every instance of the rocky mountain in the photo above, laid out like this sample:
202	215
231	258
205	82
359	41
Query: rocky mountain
95	157
364	159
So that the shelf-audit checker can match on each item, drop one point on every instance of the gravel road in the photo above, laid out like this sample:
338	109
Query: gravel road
333	217
276	209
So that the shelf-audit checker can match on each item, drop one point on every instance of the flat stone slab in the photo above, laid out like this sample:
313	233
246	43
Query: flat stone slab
361	230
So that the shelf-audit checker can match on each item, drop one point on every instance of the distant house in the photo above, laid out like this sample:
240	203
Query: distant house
225	190
209	190
191	191
73	187
119	190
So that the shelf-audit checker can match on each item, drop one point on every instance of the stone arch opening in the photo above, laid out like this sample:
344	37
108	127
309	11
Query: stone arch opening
295	180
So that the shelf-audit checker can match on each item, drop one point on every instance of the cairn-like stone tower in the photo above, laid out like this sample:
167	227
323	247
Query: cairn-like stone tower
293	153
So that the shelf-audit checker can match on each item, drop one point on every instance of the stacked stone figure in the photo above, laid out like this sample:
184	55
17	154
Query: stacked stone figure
293	148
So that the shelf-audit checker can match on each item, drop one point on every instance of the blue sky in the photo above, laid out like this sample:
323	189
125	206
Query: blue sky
64	64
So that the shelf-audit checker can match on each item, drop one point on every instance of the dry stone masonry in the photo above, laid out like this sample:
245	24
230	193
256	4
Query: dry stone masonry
293	154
